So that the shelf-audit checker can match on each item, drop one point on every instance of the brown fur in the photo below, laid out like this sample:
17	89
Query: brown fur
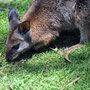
39	25
39	15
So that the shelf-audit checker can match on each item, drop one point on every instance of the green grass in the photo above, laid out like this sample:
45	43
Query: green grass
45	70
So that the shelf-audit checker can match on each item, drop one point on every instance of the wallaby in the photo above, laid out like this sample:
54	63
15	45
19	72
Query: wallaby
43	22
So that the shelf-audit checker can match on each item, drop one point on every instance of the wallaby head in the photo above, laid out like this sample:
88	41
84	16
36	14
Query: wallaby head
19	39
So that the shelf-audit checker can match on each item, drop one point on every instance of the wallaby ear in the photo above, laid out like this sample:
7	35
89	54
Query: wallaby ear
14	19
24	27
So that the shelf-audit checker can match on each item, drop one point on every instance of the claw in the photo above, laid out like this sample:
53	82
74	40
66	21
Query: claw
71	49
66	56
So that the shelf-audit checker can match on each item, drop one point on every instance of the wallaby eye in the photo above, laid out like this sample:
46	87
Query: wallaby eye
16	46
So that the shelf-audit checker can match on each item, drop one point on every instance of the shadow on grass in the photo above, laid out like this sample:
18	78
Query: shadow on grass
79	63
66	39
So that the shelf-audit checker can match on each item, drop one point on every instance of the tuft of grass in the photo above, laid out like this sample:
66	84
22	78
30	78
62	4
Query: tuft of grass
45	70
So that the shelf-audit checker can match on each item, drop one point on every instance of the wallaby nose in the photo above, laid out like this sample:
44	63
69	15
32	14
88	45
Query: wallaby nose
9	59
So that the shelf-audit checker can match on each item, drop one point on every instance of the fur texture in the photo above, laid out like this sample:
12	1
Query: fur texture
48	18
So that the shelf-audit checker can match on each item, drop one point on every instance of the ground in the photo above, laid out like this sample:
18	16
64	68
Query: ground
44	69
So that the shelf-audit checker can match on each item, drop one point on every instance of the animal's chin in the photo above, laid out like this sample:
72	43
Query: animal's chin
12	59
15	57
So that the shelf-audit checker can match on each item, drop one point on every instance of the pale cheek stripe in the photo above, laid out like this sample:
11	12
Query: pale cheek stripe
23	46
